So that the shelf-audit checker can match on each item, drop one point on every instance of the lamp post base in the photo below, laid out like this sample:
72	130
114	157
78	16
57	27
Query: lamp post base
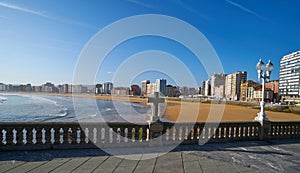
261	117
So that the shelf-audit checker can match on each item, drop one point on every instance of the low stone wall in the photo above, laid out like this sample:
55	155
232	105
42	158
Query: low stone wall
63	135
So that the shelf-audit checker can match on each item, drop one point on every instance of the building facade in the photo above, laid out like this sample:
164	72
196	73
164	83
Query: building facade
233	83
144	87
161	85
289	76
218	85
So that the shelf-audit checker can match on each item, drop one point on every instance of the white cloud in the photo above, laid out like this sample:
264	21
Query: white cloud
245	9
18	8
41	14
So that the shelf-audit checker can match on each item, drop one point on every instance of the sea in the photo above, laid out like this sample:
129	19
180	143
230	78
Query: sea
45	108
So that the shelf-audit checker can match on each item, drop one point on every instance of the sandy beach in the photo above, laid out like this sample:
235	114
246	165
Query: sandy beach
201	112
195	111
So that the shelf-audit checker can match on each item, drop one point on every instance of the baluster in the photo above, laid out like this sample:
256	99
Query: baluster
4	137
52	140
198	132
43	136
141	134
209	132
192	133
33	136
186	134
95	135
126	135
111	135
167	134
102	135
70	135
225	132
78	140
133	134
180	133
240	134
14	136
214	135
174	133
24	136
234	132
229	132
86	132
118	135
61	136
248	131
148	132
203	132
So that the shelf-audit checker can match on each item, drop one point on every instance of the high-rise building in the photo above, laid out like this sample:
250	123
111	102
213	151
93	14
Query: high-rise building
2	87
151	89
207	91
218	85
233	83
161	85
98	89
107	87
144	87
289	76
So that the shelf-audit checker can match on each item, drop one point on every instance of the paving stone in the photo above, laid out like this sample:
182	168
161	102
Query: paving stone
49	166
192	166
144	169
7	165
228	169
26	167
189	157
244	169
173	164
90	164
70	165
109	165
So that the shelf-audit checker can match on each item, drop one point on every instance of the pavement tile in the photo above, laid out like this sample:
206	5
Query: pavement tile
26	167
70	165
109	165
192	166
50	165
189	157
90	164
173	164
7	165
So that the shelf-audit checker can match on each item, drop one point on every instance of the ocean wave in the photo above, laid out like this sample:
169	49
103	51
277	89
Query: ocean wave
3	98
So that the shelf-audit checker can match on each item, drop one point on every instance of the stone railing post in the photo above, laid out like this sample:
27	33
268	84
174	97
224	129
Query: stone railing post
156	131
264	130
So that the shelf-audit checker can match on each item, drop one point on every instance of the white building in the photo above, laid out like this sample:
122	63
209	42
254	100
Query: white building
151	89
218	85
289	79
233	85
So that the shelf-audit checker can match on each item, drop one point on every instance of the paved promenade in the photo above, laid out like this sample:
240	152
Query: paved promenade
260	156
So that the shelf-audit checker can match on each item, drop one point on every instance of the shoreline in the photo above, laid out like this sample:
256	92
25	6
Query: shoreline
192	111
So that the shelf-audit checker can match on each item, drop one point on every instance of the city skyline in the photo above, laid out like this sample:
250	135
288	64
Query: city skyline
41	41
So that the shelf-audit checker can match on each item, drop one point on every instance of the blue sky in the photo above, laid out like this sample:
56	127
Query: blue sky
41	40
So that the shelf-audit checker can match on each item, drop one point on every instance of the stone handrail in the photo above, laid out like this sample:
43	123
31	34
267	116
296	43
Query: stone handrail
47	135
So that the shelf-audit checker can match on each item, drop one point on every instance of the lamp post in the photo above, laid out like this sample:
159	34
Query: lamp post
264	72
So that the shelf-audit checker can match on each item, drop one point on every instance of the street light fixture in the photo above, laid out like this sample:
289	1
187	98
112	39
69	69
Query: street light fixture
264	72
